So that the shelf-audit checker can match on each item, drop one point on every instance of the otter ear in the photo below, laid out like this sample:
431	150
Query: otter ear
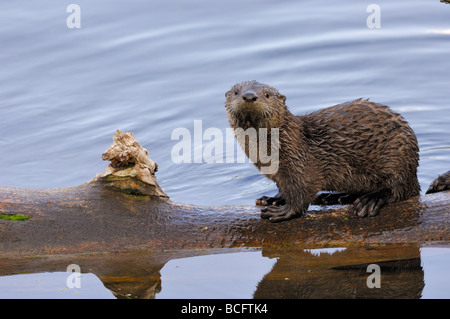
283	98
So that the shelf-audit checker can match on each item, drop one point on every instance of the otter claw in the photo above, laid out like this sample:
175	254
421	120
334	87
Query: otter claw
267	201
277	214
262	201
334	199
369	205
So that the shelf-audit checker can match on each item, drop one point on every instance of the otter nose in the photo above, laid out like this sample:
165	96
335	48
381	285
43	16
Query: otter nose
249	96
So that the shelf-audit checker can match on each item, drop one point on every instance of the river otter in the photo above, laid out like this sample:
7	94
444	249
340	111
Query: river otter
359	148
440	184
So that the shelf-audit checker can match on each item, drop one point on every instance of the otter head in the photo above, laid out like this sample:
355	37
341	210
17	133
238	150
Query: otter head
253	104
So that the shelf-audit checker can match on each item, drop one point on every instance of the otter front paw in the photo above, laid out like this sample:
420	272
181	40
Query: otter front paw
277	214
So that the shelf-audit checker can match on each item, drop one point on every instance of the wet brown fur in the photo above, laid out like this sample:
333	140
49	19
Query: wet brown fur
440	184
357	147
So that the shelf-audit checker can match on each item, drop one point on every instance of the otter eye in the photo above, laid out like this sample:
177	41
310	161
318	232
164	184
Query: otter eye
267	95
236	92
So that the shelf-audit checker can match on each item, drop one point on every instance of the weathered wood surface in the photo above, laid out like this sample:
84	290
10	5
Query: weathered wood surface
124	209
96	218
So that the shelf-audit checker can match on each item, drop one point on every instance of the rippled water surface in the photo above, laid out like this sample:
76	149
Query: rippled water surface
151	67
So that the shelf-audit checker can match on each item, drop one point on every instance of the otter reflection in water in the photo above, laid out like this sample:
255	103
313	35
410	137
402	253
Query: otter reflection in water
343	274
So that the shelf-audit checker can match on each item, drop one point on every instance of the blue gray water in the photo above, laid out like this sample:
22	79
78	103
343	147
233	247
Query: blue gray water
236	274
151	67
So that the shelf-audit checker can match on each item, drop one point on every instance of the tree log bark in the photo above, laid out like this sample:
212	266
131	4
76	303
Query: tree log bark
115	212
96	218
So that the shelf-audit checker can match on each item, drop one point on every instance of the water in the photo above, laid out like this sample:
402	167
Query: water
155	66
151	67
231	276
404	272
51	285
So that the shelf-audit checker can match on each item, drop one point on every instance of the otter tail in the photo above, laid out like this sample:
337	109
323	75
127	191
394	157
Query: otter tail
440	184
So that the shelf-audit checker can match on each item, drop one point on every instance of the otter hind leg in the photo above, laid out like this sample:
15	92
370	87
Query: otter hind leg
277	214
370	204
276	200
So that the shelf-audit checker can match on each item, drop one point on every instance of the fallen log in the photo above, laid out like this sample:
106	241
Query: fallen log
124	209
